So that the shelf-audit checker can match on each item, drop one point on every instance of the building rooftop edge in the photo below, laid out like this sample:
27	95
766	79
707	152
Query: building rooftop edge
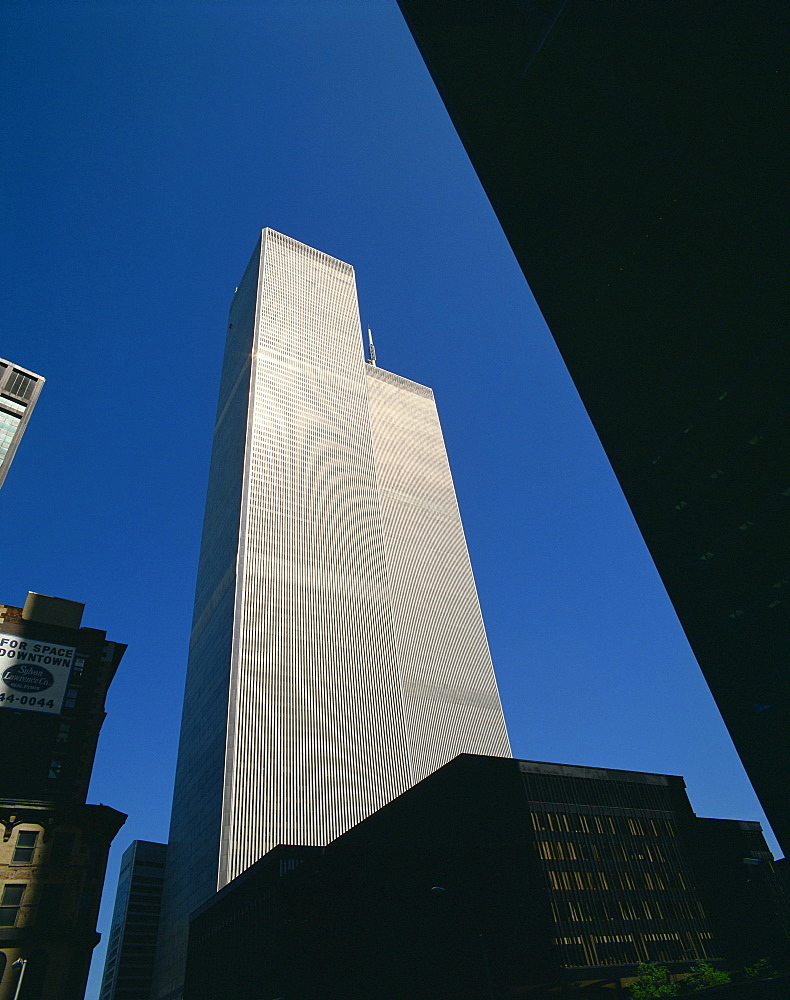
386	376
284	236
20	368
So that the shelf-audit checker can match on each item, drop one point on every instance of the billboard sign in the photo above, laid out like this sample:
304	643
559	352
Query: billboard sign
34	674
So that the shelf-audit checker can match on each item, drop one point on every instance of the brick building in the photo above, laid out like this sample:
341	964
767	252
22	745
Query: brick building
54	675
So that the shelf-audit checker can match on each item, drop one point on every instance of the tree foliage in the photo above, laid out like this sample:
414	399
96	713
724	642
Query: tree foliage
702	975
653	982
763	967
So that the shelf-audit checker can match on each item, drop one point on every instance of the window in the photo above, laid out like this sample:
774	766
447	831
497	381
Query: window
55	767
71	698
627	911
12	404
20	384
25	846
10	902
615	949
63	732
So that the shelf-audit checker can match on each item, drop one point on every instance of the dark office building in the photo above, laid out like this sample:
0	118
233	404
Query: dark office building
54	676
634	154
491	877
743	892
129	965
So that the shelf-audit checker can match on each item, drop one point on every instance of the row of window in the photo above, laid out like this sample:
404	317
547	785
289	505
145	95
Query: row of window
582	823
28	840
573	880
628	949
625	909
20	384
555	850
49	902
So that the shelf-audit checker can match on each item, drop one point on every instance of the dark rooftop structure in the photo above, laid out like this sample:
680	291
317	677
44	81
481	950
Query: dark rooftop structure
491	877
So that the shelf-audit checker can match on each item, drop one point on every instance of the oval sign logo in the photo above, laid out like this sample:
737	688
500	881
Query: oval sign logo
29	678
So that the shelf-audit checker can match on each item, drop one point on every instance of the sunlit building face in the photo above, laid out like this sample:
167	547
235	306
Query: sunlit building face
338	654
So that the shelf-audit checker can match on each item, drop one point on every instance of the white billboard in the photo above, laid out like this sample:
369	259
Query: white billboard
33	674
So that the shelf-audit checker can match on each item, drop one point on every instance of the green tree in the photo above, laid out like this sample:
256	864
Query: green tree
653	982
763	967
702	975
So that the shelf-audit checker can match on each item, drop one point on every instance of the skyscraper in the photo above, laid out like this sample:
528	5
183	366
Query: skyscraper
634	155
131	946
19	390
338	653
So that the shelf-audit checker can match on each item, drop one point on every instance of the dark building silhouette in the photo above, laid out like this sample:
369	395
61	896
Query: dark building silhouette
743	891
131	947
54	676
491	877
633	153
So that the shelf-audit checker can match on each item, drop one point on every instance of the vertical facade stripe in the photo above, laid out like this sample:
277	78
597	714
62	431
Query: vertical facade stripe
338	653
451	699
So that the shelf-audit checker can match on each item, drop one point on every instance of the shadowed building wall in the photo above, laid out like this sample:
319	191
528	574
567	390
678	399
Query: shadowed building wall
490	878
634	154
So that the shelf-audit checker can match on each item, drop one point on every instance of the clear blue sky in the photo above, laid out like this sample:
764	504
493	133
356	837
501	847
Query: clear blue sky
146	145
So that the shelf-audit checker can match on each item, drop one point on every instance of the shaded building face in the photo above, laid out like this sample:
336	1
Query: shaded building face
633	155
131	945
490	877
54	676
616	866
338	653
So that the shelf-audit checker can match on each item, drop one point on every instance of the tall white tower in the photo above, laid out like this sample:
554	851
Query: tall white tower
338	654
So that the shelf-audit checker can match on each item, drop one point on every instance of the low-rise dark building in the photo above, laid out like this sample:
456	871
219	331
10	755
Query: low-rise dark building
492	877
743	891
54	676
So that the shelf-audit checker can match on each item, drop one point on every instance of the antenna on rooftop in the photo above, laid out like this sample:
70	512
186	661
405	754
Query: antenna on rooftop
372	351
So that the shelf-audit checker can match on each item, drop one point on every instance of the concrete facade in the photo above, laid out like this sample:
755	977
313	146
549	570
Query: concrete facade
19	391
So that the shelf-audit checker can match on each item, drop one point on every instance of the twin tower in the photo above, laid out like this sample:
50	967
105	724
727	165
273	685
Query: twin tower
338	654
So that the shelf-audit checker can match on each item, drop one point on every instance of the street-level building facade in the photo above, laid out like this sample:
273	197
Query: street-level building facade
54	675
